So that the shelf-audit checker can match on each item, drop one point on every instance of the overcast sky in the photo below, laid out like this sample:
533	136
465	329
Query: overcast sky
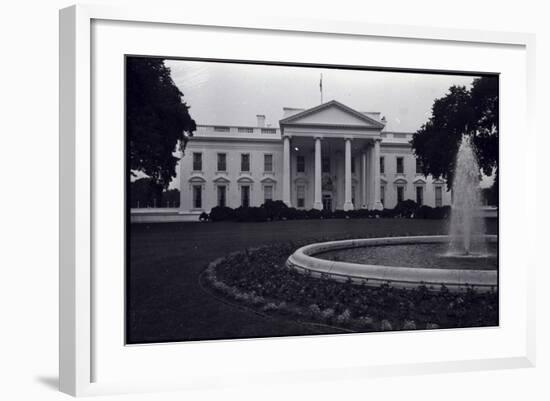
232	94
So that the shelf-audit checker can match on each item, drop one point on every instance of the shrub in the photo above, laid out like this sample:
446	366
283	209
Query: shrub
385	325
313	214
328	315
344	317
220	213
409	325
275	210
278	210
366	321
314	310
291	213
405	208
424	212
326	214
339	214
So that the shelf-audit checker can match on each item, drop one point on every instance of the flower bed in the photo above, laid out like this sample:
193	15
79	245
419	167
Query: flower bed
260	280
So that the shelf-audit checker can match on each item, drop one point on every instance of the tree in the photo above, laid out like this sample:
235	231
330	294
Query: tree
157	120
462	111
171	198
144	192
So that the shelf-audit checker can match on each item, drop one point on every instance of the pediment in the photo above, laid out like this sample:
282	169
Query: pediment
268	180
245	179
197	178
332	113
221	180
400	180
419	181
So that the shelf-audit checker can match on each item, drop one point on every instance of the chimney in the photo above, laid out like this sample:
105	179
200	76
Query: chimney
261	120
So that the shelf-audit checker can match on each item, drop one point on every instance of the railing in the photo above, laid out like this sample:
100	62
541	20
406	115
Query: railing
397	135
155	204
218	130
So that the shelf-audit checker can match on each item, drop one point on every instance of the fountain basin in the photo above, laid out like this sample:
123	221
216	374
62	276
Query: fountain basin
308	260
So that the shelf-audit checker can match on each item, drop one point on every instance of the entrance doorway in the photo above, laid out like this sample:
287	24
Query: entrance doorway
327	202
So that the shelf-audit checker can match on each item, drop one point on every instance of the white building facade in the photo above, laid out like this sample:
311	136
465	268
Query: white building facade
326	157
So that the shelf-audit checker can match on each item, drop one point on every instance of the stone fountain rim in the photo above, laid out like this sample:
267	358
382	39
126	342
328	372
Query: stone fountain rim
303	259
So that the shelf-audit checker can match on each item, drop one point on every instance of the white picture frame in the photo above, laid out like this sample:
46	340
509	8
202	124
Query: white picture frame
86	333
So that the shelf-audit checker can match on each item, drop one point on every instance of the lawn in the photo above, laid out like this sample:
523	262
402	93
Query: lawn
167	301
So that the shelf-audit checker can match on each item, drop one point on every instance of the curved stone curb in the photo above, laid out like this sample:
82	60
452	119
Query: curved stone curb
304	260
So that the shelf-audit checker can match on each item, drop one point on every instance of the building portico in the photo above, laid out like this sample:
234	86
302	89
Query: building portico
350	178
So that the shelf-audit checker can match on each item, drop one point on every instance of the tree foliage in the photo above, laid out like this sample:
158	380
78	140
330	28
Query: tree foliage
157	120
461	111
144	192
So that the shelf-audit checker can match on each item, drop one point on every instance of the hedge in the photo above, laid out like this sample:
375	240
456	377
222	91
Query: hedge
278	210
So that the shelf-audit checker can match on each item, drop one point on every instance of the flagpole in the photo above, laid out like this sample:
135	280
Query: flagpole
321	87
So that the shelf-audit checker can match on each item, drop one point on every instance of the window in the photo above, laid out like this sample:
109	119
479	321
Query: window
420	195
222	162
245	130
353	165
269	131
325	165
197	196
438	197
300	164
245	162
382	165
245	196
418	166
301	195
268	192
268	163
197	161
221	196
221	129
399	167
400	194
383	195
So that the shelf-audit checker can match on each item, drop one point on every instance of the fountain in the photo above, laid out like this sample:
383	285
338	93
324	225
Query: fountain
467	228
466	258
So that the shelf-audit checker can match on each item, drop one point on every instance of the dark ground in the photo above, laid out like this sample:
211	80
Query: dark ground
167	302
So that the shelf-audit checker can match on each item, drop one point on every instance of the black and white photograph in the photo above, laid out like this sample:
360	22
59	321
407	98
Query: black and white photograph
273	199
282	200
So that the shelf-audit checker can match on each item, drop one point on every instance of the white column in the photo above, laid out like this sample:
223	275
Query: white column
286	170
184	186
377	203
364	179
370	180
348	205
318	203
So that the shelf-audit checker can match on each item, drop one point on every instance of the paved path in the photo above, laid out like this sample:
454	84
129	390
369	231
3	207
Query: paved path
167	302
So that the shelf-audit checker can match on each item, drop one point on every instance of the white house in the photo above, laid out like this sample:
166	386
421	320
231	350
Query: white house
326	157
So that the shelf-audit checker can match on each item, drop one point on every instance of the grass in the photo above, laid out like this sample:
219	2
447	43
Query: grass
166	301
